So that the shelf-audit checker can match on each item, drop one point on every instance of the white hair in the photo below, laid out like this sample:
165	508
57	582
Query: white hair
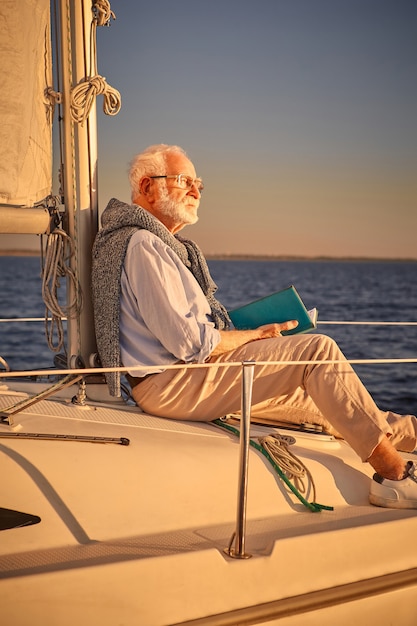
151	162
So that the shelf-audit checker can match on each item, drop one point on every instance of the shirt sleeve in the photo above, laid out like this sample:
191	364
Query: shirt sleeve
169	299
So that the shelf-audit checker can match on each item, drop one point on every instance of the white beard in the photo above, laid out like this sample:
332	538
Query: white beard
176	211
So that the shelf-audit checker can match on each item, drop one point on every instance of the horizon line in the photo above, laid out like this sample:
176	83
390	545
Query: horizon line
253	257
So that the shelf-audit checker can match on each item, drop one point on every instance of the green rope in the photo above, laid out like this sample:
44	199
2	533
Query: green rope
313	506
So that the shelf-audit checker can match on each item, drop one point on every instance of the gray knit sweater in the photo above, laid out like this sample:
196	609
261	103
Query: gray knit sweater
119	222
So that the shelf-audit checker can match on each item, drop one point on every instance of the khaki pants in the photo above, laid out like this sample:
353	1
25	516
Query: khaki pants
327	394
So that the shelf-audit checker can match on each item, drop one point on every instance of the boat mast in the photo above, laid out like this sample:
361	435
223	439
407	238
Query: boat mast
26	201
79	175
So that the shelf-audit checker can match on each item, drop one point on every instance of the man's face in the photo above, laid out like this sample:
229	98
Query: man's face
176	204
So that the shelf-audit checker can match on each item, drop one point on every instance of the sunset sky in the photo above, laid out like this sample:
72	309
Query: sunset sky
300	116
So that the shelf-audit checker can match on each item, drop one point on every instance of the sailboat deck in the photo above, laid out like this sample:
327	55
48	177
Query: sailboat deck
120	521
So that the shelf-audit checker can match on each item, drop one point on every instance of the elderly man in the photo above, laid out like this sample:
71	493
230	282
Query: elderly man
155	306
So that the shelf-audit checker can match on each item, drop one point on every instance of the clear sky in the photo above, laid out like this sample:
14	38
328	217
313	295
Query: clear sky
300	116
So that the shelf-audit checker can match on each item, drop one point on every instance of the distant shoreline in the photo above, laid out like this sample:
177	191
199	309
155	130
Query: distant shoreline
20	253
255	257
285	257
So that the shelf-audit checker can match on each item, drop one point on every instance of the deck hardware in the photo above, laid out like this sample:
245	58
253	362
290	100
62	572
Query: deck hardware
81	396
123	441
6	415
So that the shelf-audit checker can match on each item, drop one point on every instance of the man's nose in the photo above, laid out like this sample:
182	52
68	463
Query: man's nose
195	191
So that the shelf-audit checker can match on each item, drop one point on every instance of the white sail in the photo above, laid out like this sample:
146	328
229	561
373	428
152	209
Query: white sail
25	76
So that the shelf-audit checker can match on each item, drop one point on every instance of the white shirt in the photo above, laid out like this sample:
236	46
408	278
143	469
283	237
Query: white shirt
164	315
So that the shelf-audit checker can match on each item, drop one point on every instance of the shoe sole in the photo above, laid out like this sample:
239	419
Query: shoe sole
392	504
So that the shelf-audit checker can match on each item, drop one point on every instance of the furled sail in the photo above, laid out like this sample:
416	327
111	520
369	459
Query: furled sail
25	107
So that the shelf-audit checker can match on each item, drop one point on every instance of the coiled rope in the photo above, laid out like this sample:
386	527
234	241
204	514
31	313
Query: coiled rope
295	470
84	94
59	251
285	463
102	12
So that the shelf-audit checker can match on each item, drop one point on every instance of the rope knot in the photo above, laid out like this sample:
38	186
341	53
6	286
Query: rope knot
84	94
102	12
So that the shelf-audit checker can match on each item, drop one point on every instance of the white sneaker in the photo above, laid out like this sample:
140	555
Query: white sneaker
395	494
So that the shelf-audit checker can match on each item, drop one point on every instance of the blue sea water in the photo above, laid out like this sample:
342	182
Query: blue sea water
341	290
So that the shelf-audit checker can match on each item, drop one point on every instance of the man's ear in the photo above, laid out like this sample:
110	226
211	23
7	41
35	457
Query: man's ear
145	186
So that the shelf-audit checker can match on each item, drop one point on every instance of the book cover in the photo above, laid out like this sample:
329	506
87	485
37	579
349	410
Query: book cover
278	307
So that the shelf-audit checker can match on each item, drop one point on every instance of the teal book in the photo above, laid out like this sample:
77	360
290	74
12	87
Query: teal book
281	306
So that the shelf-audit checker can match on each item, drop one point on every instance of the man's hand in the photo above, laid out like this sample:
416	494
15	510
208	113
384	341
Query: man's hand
275	330
232	339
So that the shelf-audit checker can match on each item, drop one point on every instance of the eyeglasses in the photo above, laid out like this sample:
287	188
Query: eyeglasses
184	182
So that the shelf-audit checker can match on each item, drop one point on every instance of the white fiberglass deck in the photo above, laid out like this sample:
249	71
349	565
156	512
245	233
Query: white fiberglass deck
136	534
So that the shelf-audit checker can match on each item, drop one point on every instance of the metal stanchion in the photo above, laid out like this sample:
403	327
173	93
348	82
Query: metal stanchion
238	537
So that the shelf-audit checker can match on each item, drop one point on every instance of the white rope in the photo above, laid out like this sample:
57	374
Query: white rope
53	96
102	12
84	94
290	464
58	252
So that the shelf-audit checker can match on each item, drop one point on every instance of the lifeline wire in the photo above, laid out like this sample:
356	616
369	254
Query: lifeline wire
157	368
324	322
